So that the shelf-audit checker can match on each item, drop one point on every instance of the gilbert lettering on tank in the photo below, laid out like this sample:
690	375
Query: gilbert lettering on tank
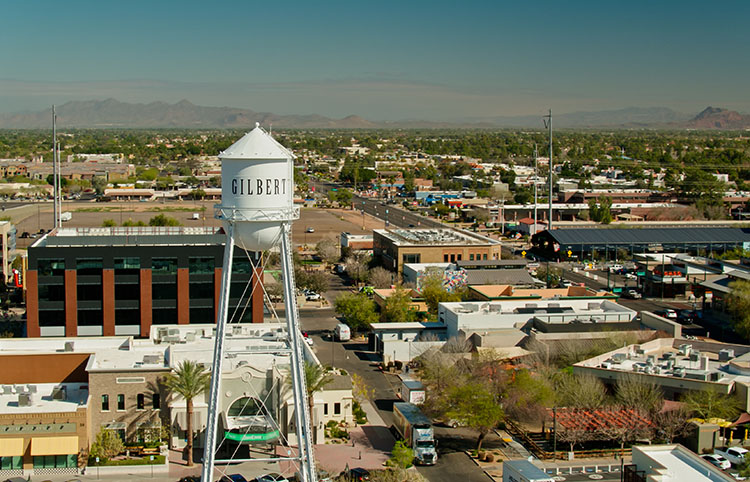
260	187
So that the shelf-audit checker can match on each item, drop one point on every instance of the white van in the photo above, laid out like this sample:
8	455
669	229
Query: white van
342	332
196	215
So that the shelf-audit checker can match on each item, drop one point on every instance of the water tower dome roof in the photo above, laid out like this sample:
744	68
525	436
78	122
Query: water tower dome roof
256	144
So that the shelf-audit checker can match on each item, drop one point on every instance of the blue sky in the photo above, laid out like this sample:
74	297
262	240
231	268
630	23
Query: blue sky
381	60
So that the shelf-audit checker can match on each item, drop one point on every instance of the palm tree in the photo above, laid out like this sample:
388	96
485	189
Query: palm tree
189	380
316	378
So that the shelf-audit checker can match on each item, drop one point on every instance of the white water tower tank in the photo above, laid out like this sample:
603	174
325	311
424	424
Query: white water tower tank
257	189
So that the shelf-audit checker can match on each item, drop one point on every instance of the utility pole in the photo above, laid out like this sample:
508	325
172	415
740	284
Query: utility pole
536	156
548	124
54	167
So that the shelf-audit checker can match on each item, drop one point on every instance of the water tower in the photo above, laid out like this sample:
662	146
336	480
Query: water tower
257	210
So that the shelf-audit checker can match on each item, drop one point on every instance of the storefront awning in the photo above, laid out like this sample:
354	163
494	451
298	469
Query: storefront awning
11	447
181	420
54	445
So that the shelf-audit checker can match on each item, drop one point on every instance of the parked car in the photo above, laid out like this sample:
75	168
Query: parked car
631	276
687	316
233	478
615	268
717	461
312	296
356	474
310	230
737	456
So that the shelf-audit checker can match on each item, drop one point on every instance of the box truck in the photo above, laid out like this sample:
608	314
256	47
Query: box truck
412	391
524	471
416	429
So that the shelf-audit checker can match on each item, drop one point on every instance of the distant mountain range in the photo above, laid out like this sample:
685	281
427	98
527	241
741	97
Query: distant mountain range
111	113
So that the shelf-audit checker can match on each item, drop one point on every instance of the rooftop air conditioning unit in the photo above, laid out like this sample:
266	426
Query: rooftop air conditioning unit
69	346
726	354
607	365
59	393
685	349
24	400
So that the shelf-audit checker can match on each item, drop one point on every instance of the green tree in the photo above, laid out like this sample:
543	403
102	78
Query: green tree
739	307
401	455
197	194
397	307
99	183
600	211
188	380
107	445
317	281
162	220
475	406
149	174
434	292
527	396
51	181
357	309
710	403
344	197
109	223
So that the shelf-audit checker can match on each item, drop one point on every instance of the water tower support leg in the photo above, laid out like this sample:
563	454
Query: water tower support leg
207	471
301	411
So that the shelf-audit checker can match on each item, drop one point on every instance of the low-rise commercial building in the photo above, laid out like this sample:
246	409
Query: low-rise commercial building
58	393
677	366
396	247
670	463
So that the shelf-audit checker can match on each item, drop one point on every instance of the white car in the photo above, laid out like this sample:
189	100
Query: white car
631	276
309	341
615	268
717	461
311	296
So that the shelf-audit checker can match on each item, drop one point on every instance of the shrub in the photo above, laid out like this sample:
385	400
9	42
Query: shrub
359	414
489	457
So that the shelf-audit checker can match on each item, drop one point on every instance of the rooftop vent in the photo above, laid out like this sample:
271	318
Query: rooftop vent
59	393
69	346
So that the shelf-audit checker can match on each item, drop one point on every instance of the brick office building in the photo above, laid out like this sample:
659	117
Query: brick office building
121	280
396	247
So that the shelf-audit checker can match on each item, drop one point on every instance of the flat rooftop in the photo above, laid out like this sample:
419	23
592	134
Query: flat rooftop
675	463
434	237
132	236
676	358
265	343
538	307
42	398
509	291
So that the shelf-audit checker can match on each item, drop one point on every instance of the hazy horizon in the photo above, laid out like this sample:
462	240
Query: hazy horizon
419	60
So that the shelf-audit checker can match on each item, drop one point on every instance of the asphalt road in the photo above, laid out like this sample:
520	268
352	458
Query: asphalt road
391	214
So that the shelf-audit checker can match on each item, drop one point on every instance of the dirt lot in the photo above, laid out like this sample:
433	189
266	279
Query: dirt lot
35	216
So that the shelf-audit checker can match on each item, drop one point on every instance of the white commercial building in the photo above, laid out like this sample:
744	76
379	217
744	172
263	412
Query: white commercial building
671	463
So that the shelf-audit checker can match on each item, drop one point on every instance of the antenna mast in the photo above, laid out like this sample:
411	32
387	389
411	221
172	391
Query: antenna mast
548	124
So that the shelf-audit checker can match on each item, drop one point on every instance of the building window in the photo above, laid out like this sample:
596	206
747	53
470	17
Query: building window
89	265
337	408
201	265
11	463
471	257
325	409
458	257
156	401
412	258
55	461
120	401
50	267
105	403
485	256
445	258
164	265
141	401
453	258
127	263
